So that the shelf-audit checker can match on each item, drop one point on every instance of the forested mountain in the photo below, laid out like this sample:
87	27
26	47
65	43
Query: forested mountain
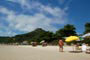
40	34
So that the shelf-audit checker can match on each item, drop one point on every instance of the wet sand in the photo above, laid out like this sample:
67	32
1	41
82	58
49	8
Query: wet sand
39	53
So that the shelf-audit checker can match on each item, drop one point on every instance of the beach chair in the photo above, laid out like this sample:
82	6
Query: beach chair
88	51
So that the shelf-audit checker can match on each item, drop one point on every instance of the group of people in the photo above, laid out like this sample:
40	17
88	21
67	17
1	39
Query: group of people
43	43
61	44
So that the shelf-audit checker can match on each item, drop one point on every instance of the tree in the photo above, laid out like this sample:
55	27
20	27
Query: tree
40	34
87	27
68	30
87	40
87	30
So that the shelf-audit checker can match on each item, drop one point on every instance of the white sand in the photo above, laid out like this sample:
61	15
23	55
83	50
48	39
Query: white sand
39	53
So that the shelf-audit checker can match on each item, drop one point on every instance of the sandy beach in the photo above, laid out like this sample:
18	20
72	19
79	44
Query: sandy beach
39	53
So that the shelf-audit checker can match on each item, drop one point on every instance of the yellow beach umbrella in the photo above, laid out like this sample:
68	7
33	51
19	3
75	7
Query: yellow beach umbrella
72	38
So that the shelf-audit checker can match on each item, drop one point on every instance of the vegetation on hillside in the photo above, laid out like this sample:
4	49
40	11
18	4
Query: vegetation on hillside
40	34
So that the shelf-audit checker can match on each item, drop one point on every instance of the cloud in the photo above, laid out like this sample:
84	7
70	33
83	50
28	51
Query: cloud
61	1
65	4
27	23
25	4
22	2
6	30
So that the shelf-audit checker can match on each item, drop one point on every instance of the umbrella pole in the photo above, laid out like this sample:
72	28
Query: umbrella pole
73	47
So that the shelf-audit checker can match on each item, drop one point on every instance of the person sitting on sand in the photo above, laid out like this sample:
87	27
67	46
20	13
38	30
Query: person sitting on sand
61	45
43	43
84	47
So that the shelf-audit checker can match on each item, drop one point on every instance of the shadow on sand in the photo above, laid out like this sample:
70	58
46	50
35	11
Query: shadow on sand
75	51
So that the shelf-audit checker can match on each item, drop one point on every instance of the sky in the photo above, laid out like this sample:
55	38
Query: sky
23	16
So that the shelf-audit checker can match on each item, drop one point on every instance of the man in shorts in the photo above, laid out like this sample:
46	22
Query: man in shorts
61	45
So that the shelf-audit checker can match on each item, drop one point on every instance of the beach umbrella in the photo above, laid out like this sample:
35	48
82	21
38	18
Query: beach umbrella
72	38
88	34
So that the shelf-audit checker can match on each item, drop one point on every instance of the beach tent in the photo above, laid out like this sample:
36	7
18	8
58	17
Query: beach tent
88	34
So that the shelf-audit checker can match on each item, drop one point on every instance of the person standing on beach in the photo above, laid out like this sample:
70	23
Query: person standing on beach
61	45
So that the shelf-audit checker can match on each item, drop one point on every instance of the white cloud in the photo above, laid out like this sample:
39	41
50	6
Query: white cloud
57	13
27	23
61	1
65	4
6	31
22	2
25	4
